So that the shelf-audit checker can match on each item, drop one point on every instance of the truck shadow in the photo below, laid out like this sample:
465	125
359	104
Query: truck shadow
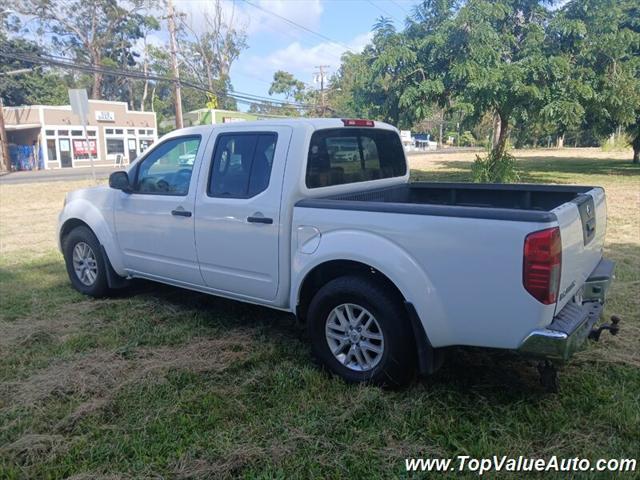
466	370
501	376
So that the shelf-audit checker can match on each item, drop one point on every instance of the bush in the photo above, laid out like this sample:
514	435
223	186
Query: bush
615	143
495	169
467	139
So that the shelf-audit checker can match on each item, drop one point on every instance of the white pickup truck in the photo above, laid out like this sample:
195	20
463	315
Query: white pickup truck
318	217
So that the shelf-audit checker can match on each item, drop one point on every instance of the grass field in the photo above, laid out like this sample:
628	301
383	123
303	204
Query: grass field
161	382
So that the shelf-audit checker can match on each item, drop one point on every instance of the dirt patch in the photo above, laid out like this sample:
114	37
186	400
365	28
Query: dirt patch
99	375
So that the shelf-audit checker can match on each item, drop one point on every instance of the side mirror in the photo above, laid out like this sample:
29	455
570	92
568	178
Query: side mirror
120	181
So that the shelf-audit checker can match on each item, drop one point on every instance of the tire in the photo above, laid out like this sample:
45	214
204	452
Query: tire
396	364
93	281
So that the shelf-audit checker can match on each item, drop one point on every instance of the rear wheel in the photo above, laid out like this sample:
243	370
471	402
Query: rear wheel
85	262
360	331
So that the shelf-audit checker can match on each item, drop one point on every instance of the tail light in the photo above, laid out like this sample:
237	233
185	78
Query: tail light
356	122
542	262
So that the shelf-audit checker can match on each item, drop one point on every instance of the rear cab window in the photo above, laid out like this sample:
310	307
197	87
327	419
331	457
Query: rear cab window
339	156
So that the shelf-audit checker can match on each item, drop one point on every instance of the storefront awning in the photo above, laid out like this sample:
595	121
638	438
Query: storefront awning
24	126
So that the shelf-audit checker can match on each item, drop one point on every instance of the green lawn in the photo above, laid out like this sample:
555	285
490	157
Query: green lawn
161	382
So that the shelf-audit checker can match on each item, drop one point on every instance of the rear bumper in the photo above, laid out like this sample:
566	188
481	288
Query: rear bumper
570	328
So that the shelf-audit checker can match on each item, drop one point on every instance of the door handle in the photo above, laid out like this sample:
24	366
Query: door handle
265	220
180	212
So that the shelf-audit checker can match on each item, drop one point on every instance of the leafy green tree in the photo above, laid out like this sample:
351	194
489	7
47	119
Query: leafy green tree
284	83
390	61
605	40
37	85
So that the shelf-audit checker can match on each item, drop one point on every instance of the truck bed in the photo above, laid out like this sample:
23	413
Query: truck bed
518	202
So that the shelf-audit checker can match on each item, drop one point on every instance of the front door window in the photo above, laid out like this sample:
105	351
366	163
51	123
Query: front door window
167	170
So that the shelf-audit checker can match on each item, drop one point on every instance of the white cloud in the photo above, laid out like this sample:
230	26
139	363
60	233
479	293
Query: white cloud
300	60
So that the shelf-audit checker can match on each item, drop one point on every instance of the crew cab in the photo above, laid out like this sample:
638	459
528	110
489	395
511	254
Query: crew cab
318	217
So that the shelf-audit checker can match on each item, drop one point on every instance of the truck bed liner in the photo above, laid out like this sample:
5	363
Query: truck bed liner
516	202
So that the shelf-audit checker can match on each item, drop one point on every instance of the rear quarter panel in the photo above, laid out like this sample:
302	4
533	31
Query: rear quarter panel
463	275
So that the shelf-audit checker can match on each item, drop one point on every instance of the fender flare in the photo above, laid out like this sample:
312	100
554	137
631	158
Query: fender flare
86	212
388	258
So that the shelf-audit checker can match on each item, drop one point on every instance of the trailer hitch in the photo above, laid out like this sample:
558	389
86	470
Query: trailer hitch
613	327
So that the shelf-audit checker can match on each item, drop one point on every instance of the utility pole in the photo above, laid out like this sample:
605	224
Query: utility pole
6	163
320	75
174	62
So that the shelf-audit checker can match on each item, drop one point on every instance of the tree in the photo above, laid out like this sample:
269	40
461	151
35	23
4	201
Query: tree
496	60
284	83
607	44
36	85
207	51
90	31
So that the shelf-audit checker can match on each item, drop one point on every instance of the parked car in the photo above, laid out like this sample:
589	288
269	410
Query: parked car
386	273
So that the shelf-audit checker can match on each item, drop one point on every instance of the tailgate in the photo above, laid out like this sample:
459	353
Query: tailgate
582	223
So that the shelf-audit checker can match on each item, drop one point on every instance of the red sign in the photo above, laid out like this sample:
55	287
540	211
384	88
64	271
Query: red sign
80	147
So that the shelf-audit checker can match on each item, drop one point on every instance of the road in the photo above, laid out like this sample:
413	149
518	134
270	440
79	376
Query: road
59	174
102	173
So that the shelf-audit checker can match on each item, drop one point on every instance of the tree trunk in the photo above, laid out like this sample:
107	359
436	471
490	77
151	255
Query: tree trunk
96	91
97	85
636	148
496	129
500	145
560	143
145	90
132	104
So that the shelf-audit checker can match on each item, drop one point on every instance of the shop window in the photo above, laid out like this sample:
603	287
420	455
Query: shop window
115	146
150	132
108	131
119	131
144	144
141	131
131	131
51	133
91	133
51	149
76	133
63	133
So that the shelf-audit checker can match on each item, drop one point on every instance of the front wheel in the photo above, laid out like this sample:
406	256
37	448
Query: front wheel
360	331
85	263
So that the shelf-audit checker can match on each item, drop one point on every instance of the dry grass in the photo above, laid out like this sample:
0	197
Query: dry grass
29	216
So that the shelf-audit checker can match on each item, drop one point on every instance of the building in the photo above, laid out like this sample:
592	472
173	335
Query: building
207	116
45	136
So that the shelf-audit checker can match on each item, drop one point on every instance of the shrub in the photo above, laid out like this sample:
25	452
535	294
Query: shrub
467	139
615	143
495	169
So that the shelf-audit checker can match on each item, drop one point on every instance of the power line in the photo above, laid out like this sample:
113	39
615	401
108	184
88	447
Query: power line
383	10
400	6
242	97
297	25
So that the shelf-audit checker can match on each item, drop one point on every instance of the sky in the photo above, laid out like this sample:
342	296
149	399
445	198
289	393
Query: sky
274	44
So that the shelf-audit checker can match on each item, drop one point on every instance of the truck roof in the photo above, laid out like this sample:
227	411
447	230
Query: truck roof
314	123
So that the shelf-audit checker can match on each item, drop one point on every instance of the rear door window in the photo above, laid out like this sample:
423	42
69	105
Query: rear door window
349	155
241	166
